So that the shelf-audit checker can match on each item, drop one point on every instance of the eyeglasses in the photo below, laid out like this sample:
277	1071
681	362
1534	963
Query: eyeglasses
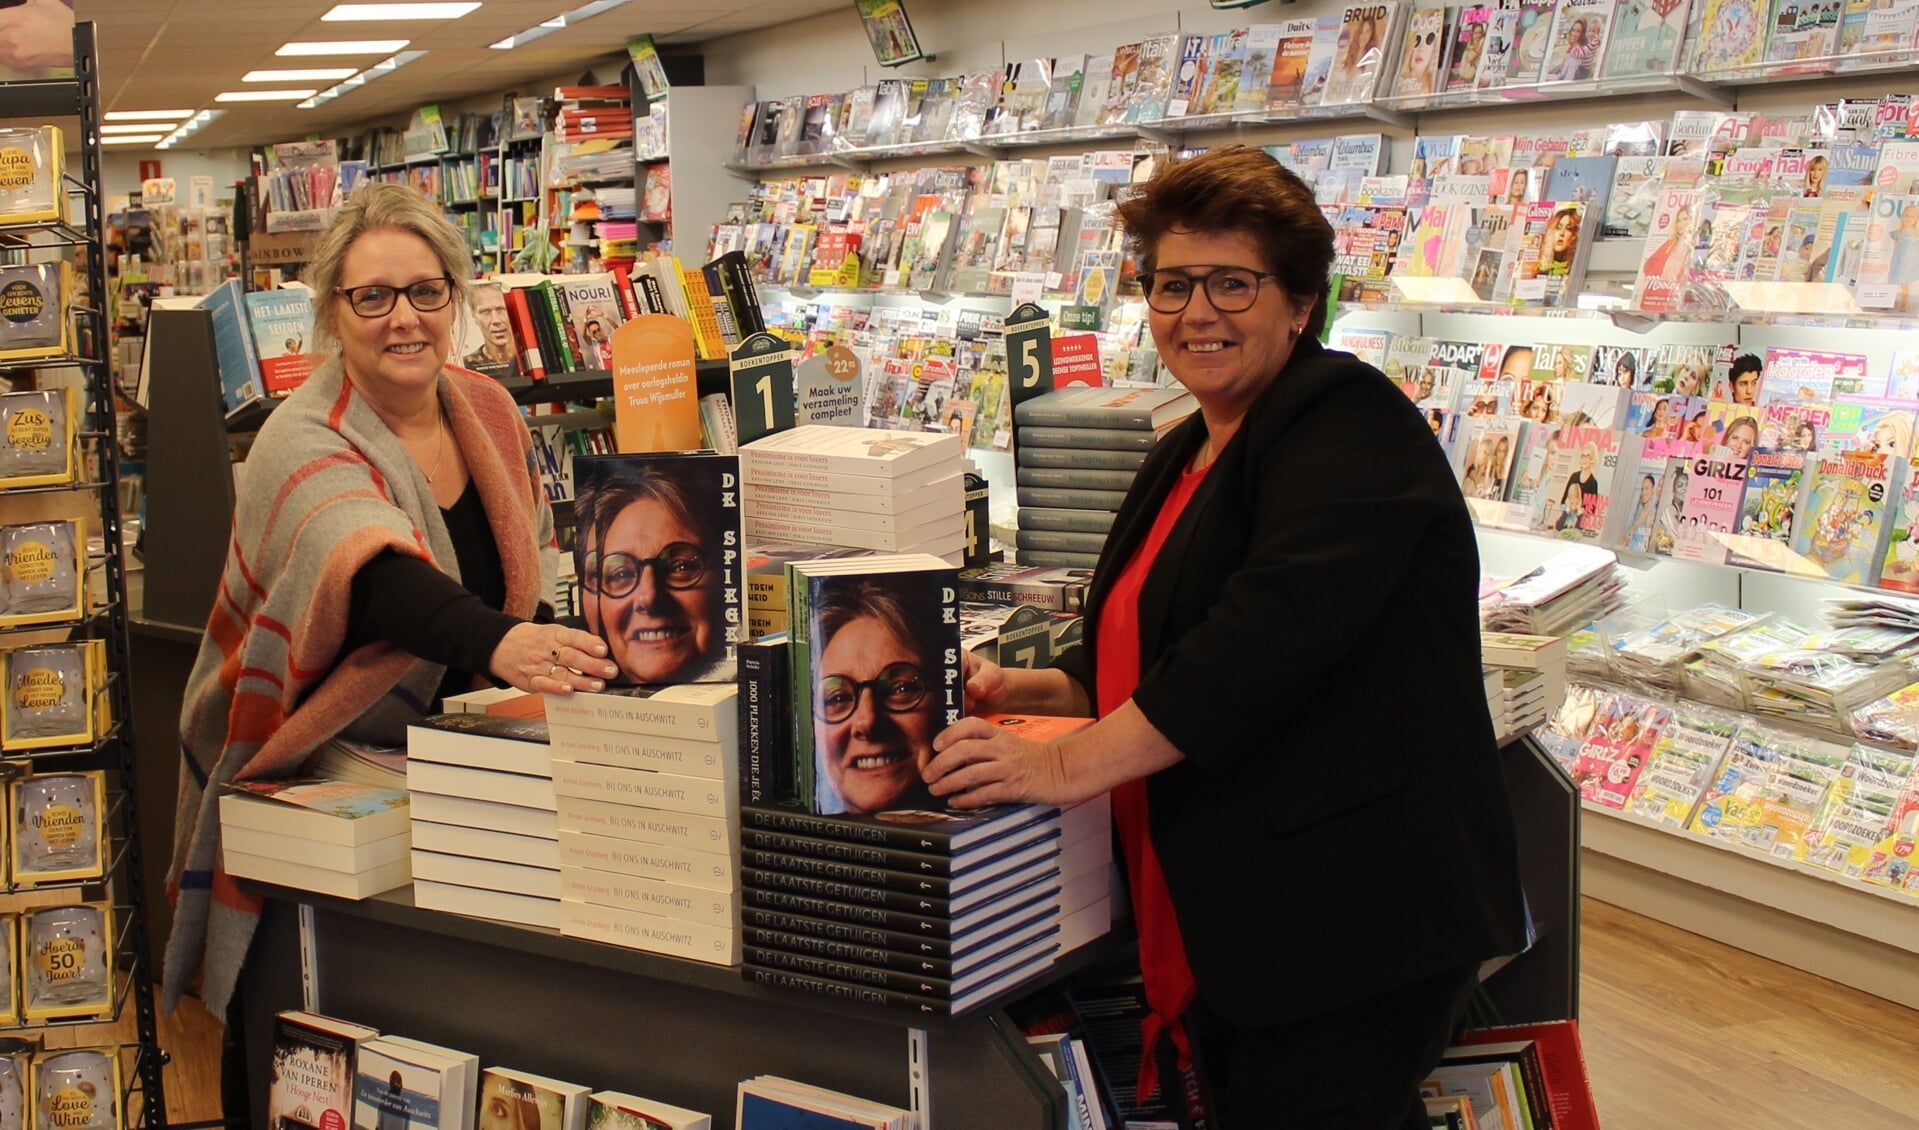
426	296
681	565
900	689
1229	289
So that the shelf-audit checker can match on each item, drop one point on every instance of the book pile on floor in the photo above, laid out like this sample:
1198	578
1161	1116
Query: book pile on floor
647	789
864	488
333	1074
334	838
483	818
1532	680
1077	452
932	913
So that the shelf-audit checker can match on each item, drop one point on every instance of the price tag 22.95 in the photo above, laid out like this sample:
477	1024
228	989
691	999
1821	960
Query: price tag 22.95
1029	353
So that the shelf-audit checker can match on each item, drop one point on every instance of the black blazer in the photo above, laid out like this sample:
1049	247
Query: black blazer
1309	640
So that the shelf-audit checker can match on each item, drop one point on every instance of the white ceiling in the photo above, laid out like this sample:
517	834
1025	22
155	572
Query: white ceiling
177	54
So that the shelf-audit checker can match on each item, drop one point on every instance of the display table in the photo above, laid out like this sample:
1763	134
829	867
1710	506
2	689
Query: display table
678	1031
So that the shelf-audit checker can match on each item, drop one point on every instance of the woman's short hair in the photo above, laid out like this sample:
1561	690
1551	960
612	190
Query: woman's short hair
381	206
896	602
1239	189
599	501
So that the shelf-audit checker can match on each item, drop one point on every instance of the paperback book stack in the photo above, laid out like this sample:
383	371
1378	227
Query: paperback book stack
1532	679
331	837
861	488
484	828
1077	452
646	784
927	912
1573	587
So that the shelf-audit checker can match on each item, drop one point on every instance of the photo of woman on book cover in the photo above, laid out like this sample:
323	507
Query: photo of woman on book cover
658	539
508	1104
879	647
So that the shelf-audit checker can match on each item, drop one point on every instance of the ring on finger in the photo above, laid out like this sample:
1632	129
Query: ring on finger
551	670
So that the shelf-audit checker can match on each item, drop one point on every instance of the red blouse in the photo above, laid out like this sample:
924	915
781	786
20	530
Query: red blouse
1170	989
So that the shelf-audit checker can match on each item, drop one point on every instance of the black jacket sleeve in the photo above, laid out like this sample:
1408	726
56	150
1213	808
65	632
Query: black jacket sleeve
409	603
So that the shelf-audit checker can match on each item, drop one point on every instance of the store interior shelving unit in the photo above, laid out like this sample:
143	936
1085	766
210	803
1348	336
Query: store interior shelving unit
1847	932
96	500
384	962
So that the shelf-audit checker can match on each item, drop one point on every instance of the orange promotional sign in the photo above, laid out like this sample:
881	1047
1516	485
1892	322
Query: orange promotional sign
656	398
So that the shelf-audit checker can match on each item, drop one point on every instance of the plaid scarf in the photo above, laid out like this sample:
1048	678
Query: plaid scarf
328	487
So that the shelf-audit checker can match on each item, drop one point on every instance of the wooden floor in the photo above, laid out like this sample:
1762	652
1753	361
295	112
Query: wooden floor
1681	1033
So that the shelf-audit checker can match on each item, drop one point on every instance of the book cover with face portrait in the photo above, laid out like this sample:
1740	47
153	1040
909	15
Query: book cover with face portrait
657	555
877	674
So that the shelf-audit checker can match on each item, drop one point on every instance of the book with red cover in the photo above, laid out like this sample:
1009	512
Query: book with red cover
591	94
521	316
1563	1063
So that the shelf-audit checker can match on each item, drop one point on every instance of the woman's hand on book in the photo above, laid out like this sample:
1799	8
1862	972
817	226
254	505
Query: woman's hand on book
550	659
977	764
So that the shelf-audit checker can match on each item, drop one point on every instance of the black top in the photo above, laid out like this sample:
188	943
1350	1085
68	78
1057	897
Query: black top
406	601
1309	640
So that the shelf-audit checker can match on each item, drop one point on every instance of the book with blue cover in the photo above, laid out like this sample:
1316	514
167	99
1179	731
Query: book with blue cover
233	347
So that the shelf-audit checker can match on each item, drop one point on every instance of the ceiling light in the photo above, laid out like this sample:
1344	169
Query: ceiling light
262	95
186	128
399	11
143	139
298	74
343	47
144	115
137	127
564	20
378	70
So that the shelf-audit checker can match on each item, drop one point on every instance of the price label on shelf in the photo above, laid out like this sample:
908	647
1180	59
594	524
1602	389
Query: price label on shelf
1029	352
1878	296
762	372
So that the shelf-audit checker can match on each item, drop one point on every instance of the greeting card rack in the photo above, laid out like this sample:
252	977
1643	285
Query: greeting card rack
95	498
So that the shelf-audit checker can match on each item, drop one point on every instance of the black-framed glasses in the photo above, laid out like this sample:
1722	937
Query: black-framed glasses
900	689
426	296
681	565
1229	289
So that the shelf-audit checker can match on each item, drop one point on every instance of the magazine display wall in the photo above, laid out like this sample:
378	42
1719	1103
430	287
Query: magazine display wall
74	650
1841	931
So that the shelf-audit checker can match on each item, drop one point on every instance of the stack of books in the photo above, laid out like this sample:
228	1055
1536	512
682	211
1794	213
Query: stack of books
1572	587
332	837
1532	679
647	787
931	913
1077	452
484	829
862	488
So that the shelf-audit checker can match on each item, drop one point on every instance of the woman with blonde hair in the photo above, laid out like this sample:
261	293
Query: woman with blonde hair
391	545
1892	435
